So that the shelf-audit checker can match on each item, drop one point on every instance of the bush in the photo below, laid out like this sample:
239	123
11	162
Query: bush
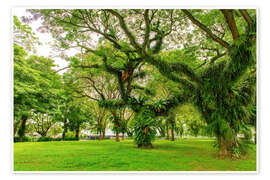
145	128
25	139
47	138
70	138
44	138
57	139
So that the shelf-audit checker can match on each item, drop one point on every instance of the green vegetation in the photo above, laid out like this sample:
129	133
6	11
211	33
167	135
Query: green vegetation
180	155
167	73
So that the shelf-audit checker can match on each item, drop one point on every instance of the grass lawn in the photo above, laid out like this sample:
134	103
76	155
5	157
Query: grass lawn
107	155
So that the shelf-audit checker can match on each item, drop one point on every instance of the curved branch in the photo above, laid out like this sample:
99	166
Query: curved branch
246	17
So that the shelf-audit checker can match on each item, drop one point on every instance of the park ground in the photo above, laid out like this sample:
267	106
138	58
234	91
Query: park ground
108	155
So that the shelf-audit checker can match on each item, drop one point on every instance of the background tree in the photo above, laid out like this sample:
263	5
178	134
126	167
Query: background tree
78	114
32	75
100	119
42	123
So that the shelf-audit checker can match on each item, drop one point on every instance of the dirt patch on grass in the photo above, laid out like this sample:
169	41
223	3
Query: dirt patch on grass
199	167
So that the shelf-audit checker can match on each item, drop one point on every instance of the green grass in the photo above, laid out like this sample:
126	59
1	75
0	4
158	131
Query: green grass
196	138
107	155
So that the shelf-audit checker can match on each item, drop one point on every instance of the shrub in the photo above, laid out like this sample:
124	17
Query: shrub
57	139
70	138
25	139
44	138
47	138
145	128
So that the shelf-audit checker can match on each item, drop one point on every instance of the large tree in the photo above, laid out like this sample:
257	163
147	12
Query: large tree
224	40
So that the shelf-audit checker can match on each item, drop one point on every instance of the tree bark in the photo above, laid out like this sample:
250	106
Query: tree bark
15	128
14	131
100	135
228	14
246	16
22	128
224	148
117	131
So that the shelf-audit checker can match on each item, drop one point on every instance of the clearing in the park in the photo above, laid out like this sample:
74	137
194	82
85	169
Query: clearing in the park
180	155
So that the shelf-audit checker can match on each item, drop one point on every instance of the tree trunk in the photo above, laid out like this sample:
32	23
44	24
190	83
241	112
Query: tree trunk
64	131
77	133
224	148
22	128
100	135
145	146
15	130
172	131
116	126
117	131
103	134
167	130
123	135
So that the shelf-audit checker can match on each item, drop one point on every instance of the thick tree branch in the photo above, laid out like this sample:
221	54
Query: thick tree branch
246	17
228	14
147	28
205	29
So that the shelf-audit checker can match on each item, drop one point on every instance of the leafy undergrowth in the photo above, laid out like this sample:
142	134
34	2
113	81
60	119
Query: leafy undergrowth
108	155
